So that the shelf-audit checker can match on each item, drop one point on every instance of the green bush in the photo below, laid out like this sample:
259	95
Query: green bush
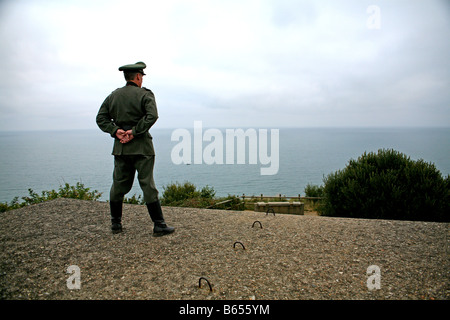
79	191
230	202
134	200
187	195
387	185
177	192
313	190
207	192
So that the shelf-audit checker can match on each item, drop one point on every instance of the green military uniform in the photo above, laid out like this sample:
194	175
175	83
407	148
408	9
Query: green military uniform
131	108
128	108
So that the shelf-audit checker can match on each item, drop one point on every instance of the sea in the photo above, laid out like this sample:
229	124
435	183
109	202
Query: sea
46	160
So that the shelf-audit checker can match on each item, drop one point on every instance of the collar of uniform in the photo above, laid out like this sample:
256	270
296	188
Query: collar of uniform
131	83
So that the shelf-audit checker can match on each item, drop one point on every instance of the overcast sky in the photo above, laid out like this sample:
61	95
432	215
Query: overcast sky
228	63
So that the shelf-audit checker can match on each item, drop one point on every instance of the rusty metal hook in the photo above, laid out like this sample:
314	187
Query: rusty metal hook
234	245
207	281
256	222
270	209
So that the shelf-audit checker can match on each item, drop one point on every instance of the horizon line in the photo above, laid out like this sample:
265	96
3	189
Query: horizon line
237	127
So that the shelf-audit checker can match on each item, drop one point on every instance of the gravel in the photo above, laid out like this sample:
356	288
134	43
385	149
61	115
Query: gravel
290	258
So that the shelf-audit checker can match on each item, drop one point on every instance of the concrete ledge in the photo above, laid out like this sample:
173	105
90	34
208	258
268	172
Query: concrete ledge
281	207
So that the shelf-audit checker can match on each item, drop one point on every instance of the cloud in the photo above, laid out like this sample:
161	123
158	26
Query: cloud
228	63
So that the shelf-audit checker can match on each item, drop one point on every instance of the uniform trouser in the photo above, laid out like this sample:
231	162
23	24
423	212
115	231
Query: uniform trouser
125	167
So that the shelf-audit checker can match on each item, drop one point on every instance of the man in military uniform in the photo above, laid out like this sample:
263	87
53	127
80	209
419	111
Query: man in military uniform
127	114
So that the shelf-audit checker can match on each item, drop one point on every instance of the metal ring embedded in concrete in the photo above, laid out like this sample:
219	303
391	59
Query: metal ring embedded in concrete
207	281
256	222
234	245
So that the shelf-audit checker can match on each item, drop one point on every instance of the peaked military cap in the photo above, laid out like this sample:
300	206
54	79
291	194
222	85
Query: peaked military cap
136	67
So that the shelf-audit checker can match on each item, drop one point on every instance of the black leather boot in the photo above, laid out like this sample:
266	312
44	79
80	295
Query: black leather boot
116	216
160	227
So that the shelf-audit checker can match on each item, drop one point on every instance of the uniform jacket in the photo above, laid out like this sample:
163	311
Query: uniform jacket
129	107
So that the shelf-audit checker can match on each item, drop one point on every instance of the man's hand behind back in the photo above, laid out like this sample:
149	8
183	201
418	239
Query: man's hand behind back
124	136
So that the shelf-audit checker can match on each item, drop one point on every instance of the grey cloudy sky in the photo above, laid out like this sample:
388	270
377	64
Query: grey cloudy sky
228	63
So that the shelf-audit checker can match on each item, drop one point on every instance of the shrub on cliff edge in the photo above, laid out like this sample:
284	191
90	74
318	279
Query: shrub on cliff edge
79	191
387	185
